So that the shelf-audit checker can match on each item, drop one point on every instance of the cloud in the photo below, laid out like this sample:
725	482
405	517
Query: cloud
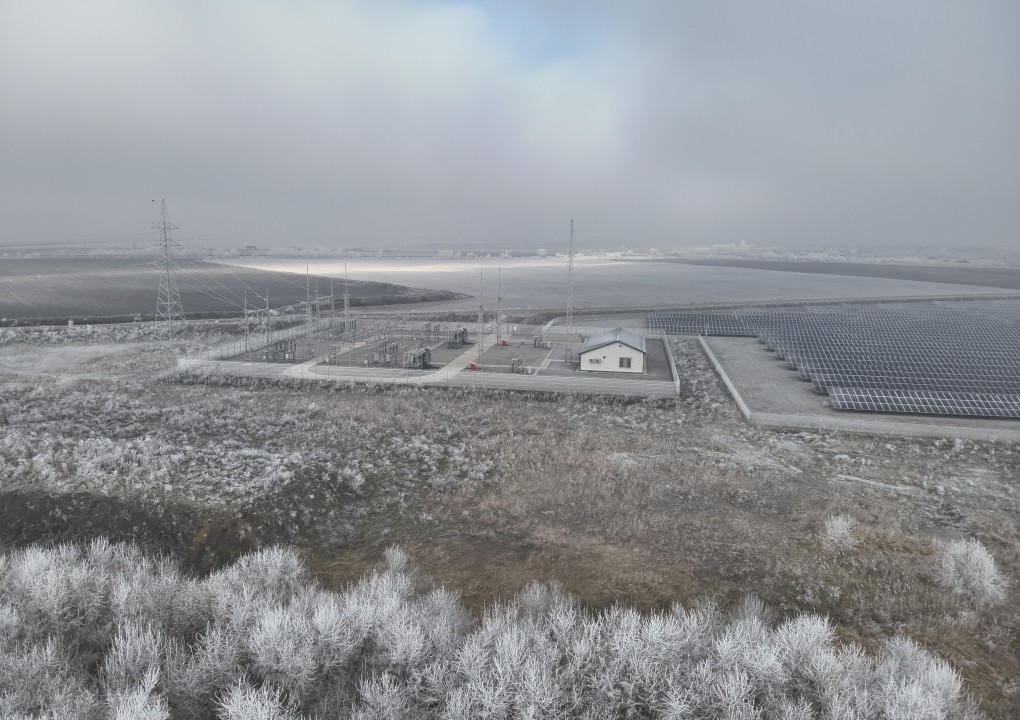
393	122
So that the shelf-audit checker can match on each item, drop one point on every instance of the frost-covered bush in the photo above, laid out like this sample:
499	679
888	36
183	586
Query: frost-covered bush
967	568
270	644
142	703
244	702
839	532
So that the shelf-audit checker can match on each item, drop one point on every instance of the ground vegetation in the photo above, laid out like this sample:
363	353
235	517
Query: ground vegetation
105	631
630	503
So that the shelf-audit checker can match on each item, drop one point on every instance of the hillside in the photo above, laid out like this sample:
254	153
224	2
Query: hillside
644	503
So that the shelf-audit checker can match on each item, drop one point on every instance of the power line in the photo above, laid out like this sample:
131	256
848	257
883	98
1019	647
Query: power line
228	267
212	276
208	290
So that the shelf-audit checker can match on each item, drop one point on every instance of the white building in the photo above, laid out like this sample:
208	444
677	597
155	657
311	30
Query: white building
618	351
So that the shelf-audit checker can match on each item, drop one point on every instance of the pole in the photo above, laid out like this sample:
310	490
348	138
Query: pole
570	295
347	317
570	281
308	313
481	312
247	350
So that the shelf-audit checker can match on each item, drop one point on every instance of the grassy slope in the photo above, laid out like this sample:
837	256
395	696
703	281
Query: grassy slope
641	503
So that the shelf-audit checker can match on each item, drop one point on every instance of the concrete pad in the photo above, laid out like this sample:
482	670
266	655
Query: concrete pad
770	393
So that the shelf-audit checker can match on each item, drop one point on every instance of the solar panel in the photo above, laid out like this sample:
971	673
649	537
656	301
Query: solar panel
926	402
939	357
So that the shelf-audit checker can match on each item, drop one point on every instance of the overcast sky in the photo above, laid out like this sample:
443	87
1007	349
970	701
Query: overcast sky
386	123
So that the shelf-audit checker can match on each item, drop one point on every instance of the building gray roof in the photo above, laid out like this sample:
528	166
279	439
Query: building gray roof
619	335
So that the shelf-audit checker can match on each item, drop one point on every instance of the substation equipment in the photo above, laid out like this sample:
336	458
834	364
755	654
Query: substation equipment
285	349
458	338
418	359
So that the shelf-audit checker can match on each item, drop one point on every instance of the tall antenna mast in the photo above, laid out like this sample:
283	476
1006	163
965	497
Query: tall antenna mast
318	318
499	299
347	303
308	313
168	302
347	317
481	312
570	282
267	317
247	352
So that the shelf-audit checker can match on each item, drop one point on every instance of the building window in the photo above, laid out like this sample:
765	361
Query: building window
625	363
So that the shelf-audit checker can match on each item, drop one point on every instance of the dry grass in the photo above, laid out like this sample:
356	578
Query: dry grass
641	502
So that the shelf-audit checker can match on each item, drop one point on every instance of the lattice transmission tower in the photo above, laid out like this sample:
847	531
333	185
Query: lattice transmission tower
168	304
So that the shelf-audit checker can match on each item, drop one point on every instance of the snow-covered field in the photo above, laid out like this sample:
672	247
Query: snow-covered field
539	283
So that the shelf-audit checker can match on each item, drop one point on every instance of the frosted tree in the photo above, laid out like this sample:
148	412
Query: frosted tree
967	568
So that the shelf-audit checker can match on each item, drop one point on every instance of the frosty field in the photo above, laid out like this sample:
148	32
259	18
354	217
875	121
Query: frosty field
121	288
541	283
637	502
624	502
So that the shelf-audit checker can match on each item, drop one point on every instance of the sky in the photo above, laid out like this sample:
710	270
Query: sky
391	123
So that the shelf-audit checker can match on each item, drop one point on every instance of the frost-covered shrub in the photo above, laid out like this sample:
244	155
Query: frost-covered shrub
840	533
967	568
272	645
919	685
34	676
194	679
141	703
59	592
275	574
138	651
244	702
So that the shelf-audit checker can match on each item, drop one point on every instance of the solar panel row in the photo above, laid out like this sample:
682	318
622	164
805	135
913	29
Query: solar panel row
928	403
936	358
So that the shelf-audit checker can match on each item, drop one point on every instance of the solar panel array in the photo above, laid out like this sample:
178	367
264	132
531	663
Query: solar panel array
934	358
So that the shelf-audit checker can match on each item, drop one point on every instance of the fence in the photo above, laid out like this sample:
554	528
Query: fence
257	341
450	378
453	374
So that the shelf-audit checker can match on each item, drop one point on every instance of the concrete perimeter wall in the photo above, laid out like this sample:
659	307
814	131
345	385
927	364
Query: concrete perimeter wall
672	363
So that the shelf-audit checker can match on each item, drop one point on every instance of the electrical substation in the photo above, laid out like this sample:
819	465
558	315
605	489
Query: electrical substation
364	341
321	339
395	341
